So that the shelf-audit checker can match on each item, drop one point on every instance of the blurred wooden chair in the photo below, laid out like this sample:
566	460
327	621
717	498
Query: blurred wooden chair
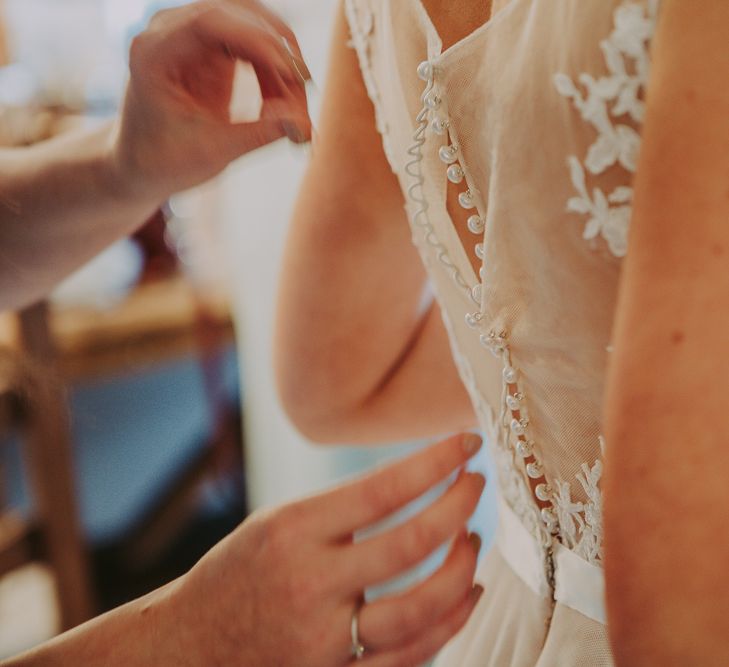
160	320
33	406
163	320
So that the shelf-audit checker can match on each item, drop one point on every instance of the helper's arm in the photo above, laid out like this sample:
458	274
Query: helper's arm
64	200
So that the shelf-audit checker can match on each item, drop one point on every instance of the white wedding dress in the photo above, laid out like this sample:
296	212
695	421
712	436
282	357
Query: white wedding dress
536	116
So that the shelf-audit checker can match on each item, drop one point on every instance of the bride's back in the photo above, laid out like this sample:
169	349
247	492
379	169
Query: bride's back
455	19
513	134
513	137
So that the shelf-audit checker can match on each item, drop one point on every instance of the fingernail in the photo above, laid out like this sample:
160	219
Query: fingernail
479	478
294	132
303	68
298	61
475	540
472	443
476	592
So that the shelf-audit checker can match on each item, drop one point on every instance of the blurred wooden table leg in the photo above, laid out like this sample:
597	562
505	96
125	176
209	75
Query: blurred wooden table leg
51	469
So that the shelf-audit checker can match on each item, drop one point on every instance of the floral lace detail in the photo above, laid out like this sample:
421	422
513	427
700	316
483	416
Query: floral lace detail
604	102
547	511
577	523
581	522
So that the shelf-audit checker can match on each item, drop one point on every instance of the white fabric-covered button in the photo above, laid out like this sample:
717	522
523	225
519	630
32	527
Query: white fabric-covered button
517	428
510	375
476	224
440	125
425	71
495	343
465	199
455	174
448	154
473	319
432	100
524	448
534	470
513	403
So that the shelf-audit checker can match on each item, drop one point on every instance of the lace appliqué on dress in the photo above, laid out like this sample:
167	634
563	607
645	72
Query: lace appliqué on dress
576	523
580	523
603	103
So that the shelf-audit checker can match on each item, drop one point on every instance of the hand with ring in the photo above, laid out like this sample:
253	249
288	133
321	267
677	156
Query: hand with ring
286	588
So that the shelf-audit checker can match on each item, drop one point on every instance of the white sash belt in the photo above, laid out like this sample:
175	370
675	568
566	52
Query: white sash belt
577	583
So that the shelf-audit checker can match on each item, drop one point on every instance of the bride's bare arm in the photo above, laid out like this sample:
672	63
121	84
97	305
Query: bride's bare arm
667	489
359	358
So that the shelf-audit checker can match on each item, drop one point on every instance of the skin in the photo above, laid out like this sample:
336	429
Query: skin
363	352
666	426
63	201
273	592
376	351
281	589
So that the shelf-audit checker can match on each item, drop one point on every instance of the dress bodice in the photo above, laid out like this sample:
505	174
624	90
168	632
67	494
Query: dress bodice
540	108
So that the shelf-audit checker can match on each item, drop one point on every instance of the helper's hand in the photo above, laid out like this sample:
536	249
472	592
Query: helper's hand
174	130
281	590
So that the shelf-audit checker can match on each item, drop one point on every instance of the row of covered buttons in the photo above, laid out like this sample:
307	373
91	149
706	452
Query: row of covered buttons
449	154
496	343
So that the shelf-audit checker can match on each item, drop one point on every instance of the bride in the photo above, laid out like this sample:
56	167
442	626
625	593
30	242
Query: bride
573	303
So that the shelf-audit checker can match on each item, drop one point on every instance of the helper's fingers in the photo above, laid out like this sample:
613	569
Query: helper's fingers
245	37
429	643
293	91
380	558
388	623
249	136
284	109
344	510
246	137
282	28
